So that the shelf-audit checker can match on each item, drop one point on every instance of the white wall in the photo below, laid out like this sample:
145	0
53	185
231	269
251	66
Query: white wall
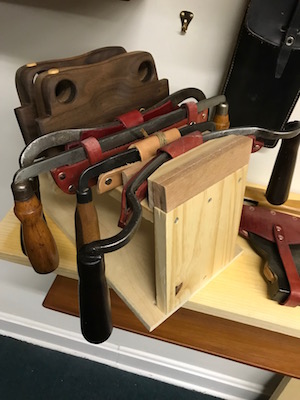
33	30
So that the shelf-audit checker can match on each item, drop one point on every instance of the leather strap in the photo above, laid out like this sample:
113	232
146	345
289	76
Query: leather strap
260	220
288	43
293	299
93	149
131	119
281	229
141	193
148	147
183	144
174	149
192	112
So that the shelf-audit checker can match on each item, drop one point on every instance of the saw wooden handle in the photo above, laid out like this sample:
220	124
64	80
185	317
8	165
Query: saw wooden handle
94	299
39	243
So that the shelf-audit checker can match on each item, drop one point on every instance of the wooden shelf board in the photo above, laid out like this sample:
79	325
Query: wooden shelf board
231	317
238	293
218	336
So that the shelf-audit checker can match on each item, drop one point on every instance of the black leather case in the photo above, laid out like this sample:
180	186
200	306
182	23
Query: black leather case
262	85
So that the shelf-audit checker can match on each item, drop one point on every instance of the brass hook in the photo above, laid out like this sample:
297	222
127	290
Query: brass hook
186	17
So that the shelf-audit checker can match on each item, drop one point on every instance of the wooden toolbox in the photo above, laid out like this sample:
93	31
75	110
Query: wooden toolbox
237	293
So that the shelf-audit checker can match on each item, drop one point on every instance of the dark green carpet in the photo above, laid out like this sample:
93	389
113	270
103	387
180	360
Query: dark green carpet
30	372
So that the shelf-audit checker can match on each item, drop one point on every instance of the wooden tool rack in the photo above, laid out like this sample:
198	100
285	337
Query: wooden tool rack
231	316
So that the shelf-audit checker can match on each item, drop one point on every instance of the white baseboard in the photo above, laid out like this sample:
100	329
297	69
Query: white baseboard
225	383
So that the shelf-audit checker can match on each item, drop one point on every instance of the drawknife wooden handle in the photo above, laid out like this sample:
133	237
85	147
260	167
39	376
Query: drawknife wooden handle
94	299
38	241
280	182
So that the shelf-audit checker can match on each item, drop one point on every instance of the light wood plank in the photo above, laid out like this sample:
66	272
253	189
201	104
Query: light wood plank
238	293
257	193
288	389
197	240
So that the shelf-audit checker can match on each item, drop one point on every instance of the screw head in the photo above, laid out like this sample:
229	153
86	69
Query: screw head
62	176
71	189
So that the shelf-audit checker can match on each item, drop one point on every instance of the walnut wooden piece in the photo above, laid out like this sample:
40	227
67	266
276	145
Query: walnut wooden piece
26	74
190	174
218	336
25	81
86	96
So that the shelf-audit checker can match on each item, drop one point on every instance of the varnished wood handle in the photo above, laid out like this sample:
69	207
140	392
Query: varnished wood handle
94	298
38	241
221	122
86	223
221	117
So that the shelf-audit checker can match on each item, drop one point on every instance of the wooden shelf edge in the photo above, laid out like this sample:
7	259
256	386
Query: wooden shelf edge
214	335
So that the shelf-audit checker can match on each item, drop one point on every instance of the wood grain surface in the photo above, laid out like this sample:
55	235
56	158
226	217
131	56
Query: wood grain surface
89	95
218	336
185	176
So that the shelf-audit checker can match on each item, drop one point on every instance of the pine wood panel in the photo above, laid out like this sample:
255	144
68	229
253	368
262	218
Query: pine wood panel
195	241
288	389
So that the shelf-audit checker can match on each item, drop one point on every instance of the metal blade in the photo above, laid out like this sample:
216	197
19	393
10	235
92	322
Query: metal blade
44	165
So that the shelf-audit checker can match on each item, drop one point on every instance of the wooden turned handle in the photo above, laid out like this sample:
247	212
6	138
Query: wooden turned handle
86	223
221	118
37	238
221	122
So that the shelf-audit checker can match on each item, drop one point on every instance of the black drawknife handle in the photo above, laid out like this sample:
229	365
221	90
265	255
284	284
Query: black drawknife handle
94	299
280	182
